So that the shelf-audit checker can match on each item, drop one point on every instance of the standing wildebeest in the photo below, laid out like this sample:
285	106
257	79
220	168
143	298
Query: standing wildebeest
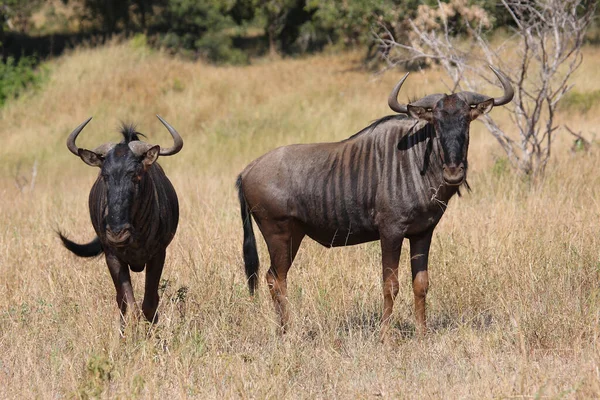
134	210
390	181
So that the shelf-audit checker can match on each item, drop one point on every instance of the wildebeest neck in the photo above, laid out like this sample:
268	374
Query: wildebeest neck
419	163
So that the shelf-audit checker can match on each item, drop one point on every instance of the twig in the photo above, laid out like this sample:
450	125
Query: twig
580	141
549	33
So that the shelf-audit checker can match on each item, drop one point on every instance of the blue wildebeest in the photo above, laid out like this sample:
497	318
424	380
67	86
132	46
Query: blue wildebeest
390	181
134	211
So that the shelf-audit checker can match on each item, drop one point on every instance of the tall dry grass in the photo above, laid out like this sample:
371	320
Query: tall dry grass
514	300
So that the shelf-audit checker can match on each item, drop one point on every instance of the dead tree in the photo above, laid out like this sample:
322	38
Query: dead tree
540	57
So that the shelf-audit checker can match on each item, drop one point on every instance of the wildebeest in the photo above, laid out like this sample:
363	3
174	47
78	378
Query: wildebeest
134	211
390	181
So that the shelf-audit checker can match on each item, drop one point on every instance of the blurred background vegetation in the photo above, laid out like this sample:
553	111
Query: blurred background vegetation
216	31
220	31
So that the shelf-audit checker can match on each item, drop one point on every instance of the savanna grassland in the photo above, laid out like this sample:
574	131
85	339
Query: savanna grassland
514	301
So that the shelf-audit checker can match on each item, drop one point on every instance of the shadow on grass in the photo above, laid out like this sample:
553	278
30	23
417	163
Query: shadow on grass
43	47
17	45
368	322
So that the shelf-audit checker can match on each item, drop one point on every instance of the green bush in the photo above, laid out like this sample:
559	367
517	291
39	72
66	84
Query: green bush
218	47
200	28
501	167
139	42
17	76
579	102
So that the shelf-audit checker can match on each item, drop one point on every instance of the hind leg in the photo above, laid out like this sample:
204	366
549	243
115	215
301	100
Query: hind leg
283	241
153	272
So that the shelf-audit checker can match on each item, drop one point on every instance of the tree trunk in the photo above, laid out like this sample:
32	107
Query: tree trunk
143	15
2	54
272	42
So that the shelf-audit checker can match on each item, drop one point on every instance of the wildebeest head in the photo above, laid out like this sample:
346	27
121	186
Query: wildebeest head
451	116
122	169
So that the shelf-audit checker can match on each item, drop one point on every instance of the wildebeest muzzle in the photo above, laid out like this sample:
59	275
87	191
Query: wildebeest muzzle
119	236
454	174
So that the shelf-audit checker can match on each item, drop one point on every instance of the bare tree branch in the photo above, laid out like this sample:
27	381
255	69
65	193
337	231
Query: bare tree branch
539	59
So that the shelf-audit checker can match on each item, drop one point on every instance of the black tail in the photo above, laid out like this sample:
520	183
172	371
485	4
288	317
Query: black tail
91	249
251	262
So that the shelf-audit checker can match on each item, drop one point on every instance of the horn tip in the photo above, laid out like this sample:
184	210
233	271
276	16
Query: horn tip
496	71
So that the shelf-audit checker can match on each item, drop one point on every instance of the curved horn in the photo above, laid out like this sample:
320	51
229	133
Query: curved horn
428	101
508	89
393	99
176	138
103	149
71	139
138	148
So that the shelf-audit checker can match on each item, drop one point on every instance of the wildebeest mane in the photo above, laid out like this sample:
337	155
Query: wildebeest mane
374	125
128	130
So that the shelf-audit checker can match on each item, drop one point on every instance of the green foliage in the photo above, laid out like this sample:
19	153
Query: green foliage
138	385
349	23
218	47
98	373
111	16
579	145
178	86
501	167
200	28
17	76
281	21
579	102
197	17
19	12
109	13
353	23
210	28
139	42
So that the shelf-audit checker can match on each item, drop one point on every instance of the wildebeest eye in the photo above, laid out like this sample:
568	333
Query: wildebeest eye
429	109
473	105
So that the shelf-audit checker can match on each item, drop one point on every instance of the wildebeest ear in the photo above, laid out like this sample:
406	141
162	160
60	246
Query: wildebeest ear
422	113
150	156
90	158
482	108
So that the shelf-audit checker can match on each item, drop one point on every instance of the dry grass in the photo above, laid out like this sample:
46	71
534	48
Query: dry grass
514	300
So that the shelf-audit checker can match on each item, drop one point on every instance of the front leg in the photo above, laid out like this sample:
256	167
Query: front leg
390	256
419	256
119	272
153	272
